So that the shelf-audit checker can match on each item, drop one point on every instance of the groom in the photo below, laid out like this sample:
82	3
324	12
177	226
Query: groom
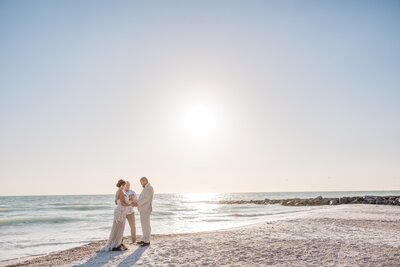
144	205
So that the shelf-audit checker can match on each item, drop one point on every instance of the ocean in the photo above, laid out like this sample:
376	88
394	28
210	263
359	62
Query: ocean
36	225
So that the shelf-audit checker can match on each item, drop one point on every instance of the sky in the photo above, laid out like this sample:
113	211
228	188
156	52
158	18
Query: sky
199	96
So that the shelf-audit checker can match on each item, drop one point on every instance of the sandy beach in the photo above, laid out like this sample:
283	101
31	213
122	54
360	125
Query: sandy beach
347	235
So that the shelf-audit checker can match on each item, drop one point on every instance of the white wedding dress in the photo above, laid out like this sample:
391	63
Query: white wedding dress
117	230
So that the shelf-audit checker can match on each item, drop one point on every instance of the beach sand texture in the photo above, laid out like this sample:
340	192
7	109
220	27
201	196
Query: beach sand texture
347	235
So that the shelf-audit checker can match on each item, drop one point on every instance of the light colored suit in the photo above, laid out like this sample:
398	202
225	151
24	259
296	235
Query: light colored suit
145	207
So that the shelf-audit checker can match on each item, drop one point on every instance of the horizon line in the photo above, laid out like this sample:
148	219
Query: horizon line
185	193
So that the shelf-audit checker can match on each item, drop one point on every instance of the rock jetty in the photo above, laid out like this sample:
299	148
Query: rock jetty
318	201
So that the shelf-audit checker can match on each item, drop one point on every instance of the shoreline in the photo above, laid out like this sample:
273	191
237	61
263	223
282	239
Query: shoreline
343	235
274	217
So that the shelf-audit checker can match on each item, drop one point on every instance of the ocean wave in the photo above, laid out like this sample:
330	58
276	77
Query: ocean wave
265	213
179	209
248	214
7	209
54	243
83	207
215	220
202	201
27	257
78	204
163	213
37	220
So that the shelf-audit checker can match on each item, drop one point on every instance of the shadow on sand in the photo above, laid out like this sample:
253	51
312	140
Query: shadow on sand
133	258
104	257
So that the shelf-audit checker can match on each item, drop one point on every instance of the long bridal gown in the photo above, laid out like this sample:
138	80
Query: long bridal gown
117	230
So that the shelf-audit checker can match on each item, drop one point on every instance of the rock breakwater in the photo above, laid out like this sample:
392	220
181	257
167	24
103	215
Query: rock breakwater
318	201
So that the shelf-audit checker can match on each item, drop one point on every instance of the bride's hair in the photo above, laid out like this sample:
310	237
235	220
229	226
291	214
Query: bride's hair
120	182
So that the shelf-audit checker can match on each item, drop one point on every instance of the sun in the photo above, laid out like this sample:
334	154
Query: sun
200	121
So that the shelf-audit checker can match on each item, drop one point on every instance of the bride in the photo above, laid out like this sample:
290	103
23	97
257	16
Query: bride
114	242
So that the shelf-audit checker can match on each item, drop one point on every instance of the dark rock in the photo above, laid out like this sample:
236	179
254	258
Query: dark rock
356	200
326	201
333	201
380	202
288	202
317	201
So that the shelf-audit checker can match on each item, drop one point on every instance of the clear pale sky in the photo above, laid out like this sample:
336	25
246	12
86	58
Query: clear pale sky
199	96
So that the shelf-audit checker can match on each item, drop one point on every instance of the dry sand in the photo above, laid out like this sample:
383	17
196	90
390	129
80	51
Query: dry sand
346	235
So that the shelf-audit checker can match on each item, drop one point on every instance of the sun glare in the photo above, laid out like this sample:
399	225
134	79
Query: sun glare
200	121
